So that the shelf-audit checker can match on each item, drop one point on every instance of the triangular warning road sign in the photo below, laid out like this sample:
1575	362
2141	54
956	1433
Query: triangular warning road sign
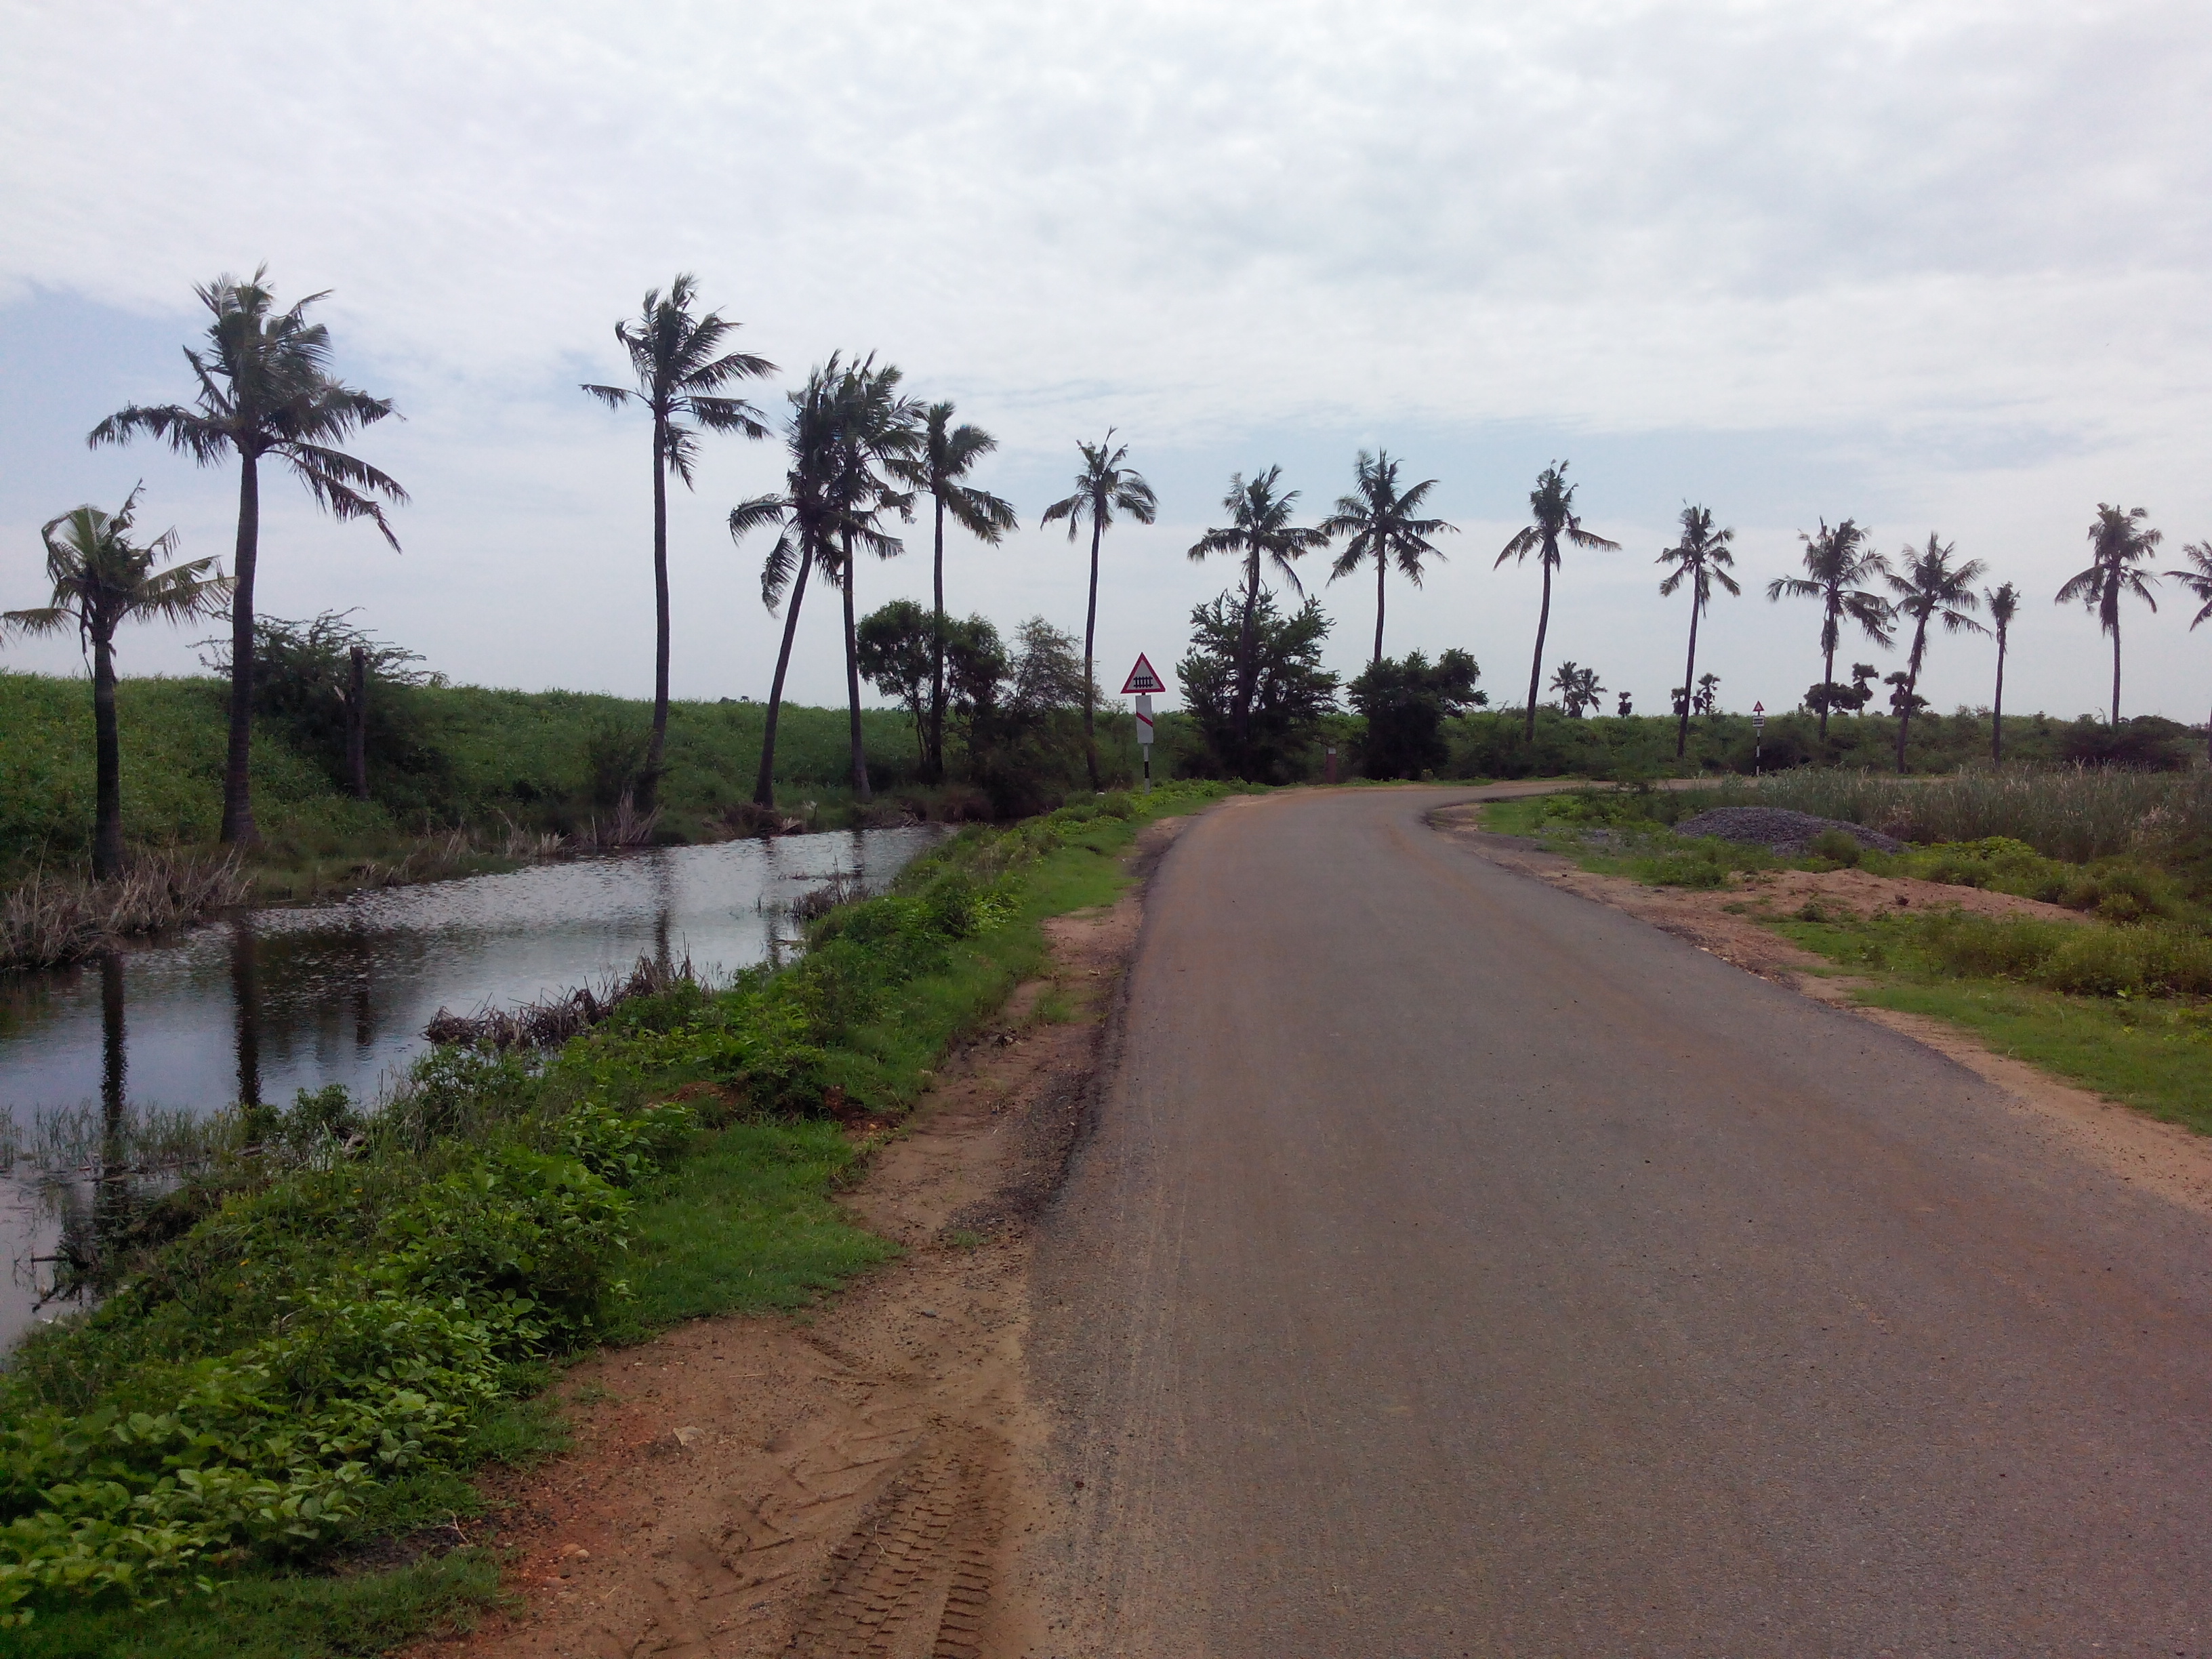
1142	678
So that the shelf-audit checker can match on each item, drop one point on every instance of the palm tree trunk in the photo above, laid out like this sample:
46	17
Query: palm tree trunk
1828	679
238	827
861	790
1246	649
1537	668
107	811
1381	570
934	761
764	786
1911	689
1689	678
1996	710
649	784
2116	668
1090	679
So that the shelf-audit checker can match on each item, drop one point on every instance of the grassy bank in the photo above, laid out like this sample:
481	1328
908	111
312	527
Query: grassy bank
2119	1002
340	1314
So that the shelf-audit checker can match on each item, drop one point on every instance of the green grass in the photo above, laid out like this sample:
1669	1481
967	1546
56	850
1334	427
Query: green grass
742	1219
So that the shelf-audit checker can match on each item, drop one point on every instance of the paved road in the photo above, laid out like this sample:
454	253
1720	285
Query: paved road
1461	1267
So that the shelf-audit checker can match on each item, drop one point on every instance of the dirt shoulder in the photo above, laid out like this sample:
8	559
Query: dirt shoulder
2161	1156
844	1482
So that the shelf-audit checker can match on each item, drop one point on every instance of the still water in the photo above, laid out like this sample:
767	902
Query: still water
257	1005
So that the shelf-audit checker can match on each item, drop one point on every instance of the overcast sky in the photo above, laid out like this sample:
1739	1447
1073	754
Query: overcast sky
1937	266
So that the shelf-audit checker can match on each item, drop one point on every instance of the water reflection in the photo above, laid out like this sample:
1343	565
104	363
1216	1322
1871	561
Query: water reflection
251	1009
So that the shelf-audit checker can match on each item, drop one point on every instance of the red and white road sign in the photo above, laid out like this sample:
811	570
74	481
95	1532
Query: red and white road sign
1142	678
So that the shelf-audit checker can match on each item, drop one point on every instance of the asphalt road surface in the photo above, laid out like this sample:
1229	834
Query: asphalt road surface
1459	1267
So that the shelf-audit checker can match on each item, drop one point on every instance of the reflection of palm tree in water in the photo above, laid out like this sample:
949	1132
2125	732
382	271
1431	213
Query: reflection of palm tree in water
111	1203
664	909
245	995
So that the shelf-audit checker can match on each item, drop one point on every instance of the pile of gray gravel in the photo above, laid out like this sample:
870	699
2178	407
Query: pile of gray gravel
1792	834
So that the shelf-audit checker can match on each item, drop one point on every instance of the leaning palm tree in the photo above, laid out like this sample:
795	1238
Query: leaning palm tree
100	580
2118	542
939	469
1838	565
1703	557
1931	588
1259	531
1104	485
2198	581
1379	517
1552	509
2004	604
265	389
681	368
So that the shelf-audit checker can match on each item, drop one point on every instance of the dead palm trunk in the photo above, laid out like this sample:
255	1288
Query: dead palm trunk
764	786
1537	668
1090	679
861	790
107	811
1689	678
648	785
237	826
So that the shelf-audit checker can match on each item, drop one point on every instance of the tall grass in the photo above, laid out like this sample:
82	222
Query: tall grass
2075	814
49	919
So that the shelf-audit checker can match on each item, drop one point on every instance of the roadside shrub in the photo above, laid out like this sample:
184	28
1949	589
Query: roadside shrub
1837	846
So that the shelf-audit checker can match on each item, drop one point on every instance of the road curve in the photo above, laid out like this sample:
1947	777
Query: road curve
1458	1267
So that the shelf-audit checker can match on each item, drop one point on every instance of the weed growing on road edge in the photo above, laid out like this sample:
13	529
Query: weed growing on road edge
321	1333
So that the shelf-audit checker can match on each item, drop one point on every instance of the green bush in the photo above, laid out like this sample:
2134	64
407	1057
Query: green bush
1837	846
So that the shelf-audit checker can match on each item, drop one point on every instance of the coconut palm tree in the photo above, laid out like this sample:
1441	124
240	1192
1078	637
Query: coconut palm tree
1931	589
1552	510
1379	517
2118	541
681	368
2004	604
1838	563
2198	581
1104	485
939	469
877	431
1259	531
1578	689
265	390
100	580
1703	557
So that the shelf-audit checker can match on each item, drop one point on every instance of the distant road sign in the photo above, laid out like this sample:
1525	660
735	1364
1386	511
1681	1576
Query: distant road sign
1142	678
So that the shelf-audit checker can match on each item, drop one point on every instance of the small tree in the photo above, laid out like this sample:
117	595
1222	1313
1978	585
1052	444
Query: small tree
1627	707
1552	517
2004	604
1259	532
2118	543
1931	589
2197	579
897	649
1708	700
100	578
1406	703
1289	690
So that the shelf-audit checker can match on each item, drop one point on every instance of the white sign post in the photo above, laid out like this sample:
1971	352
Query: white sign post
1142	684
1757	736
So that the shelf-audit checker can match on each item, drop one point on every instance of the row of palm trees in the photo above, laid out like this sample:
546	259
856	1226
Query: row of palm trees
860	451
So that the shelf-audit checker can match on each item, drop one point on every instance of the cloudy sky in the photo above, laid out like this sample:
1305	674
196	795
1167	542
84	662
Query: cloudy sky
1937	266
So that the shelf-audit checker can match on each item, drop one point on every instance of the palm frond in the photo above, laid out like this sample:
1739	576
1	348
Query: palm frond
613	396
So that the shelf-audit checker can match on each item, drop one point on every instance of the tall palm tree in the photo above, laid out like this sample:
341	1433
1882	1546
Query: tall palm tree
681	368
1839	566
1931	588
1552	518
1105	484
1259	531
939	469
2198	581
1703	557
1379	517
2004	604
876	430
265	389
100	580
2118	542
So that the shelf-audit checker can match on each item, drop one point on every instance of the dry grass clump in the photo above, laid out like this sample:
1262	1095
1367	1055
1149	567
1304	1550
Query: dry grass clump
2076	814
47	919
551	1021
